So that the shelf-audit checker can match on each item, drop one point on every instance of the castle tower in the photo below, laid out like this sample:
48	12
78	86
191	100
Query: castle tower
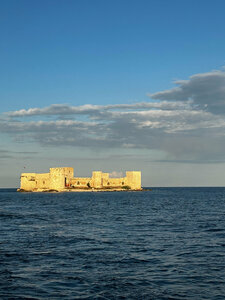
68	172
105	179
59	177
134	179
97	179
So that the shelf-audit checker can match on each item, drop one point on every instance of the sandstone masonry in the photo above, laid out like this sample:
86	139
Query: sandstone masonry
62	179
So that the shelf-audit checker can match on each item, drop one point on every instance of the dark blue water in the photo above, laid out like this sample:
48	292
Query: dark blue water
168	243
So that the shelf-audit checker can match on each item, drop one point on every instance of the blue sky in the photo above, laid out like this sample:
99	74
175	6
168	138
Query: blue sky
74	53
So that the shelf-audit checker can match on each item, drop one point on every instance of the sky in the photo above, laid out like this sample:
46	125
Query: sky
113	86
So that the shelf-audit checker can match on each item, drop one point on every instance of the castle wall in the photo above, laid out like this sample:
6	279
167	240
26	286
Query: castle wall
114	182
42	181
80	182
60	178
27	181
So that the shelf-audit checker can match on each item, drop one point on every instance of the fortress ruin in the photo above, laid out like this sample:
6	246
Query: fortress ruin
62	179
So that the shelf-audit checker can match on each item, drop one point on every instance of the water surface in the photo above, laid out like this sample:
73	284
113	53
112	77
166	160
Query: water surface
167	243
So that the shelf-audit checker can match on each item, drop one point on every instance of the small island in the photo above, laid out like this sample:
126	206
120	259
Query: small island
63	180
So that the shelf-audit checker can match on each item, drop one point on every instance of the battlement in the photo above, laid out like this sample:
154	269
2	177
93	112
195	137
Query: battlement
62	179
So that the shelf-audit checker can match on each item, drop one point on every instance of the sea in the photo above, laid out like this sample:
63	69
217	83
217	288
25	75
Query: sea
163	243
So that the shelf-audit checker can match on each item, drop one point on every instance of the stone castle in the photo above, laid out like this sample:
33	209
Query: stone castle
62	179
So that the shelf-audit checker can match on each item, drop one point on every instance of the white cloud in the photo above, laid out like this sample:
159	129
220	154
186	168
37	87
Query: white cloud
183	123
88	109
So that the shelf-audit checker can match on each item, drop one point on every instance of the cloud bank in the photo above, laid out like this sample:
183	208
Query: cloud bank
206	90
186	123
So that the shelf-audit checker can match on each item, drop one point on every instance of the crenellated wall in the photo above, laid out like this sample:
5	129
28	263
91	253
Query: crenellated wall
80	182
33	181
115	182
28	181
63	178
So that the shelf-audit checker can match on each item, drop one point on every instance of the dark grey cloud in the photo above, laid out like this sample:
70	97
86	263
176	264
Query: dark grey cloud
206	90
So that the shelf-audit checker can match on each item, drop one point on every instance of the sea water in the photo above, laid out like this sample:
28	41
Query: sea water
168	243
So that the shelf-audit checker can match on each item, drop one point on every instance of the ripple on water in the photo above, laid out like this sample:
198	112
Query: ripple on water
166	243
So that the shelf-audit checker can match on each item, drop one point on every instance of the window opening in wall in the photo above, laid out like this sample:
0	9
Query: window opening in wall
43	182
108	183
122	183
78	182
